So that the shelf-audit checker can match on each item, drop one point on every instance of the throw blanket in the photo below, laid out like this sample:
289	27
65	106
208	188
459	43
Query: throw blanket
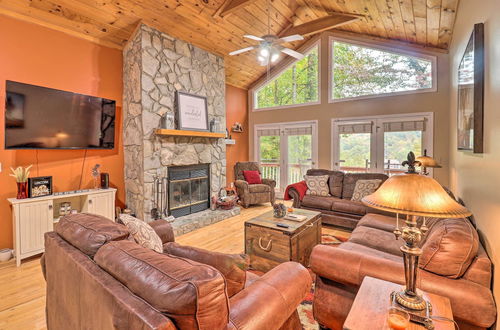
301	188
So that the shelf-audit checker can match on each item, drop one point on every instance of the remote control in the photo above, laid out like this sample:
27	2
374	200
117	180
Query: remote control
282	225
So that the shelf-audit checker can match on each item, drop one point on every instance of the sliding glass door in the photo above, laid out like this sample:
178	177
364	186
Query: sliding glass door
286	151
380	144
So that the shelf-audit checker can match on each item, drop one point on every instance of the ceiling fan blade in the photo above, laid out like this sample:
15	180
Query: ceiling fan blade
291	38
293	53
239	51
249	36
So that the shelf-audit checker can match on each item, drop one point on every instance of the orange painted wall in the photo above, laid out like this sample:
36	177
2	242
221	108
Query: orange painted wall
236	111
36	55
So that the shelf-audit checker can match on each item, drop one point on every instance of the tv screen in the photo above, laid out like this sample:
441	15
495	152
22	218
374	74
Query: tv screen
45	118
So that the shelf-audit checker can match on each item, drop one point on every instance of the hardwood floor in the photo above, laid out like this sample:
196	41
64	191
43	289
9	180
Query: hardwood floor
22	289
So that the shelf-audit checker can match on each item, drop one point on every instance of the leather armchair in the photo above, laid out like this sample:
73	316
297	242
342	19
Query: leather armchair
252	193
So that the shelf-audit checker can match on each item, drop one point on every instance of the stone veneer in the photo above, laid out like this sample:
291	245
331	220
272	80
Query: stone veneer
155	67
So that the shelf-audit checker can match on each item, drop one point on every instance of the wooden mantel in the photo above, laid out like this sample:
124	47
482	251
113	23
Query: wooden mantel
178	132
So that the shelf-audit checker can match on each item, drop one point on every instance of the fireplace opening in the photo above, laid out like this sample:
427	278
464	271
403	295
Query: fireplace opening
188	189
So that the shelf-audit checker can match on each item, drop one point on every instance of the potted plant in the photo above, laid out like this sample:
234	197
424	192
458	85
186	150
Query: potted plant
21	174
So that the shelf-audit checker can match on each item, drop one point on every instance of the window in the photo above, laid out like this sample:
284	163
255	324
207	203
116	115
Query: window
360	71
298	84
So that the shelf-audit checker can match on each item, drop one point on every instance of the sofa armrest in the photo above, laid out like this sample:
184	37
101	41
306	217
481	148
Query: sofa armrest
44	269
292	192
269	182
241	187
164	230
272	299
470	301
232	266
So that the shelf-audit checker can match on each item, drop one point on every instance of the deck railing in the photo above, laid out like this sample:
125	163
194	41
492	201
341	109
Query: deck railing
272	170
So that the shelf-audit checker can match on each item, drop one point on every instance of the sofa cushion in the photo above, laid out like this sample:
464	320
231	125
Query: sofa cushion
257	188
379	221
318	202
88	232
142	232
335	180
376	239
350	180
364	188
450	248
232	266
348	206
317	185
191	294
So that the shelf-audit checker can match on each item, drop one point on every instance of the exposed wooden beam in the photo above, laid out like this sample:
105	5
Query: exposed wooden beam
319	25
230	6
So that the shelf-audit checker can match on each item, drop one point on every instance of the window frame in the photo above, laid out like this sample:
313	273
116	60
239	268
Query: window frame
253	91
384	48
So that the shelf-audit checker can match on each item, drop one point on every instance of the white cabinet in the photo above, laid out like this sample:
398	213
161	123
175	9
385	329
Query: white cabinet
33	217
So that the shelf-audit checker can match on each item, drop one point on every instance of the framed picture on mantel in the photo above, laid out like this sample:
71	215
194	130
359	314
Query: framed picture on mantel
192	112
470	115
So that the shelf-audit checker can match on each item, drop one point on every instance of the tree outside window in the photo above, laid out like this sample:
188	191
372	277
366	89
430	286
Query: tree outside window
298	84
363	71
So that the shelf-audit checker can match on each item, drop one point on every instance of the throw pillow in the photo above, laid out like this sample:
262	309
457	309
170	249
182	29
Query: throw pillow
317	185
252	177
143	233
364	188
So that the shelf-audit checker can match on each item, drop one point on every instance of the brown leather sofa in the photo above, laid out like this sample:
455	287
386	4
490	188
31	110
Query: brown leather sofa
338	209
250	194
453	264
99	278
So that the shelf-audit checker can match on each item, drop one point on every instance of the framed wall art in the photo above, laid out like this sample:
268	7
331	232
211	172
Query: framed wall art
470	117
192	112
39	186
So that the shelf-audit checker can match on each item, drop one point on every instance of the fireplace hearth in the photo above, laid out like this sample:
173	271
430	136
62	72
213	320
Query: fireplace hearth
188	189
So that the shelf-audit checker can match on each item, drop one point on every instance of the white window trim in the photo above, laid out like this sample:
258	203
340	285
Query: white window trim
388	49
253	91
429	132
281	126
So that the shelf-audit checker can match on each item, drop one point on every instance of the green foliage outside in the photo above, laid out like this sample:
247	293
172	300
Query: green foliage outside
361	71
355	148
299	149
296	85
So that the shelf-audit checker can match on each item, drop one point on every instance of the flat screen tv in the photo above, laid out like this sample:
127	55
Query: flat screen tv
45	118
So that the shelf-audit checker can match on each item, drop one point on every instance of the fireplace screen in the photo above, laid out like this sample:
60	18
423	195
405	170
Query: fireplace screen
188	189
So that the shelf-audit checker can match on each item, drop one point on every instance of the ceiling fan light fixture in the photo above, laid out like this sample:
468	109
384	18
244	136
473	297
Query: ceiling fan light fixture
264	52
275	56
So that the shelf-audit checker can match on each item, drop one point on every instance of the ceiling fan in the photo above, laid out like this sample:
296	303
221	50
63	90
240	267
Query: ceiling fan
270	45
270	48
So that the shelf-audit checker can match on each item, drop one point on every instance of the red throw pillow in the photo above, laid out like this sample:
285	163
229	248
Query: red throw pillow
252	177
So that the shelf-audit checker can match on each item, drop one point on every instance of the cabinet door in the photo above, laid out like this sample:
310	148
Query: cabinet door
102	204
35	219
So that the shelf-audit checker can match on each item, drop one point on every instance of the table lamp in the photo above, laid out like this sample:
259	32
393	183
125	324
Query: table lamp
414	195
427	161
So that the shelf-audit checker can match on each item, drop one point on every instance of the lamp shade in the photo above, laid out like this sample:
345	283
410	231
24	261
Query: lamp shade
415	194
426	161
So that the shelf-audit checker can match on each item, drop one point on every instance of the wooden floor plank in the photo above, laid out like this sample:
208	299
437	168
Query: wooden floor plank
22	289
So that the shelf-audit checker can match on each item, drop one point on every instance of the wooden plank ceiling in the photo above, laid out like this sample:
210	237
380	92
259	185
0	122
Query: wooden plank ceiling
111	22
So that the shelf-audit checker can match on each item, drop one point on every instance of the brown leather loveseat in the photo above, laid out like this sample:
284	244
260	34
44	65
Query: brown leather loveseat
337	209
453	264
99	278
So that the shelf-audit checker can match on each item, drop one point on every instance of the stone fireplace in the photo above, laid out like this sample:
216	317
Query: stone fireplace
155	67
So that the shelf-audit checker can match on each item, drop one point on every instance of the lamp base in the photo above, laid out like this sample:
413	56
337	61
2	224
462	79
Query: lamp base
414	302
423	316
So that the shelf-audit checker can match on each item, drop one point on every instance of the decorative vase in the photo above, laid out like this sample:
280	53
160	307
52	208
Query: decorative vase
279	210
22	190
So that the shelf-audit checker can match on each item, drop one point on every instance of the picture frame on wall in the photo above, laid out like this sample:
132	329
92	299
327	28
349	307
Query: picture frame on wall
39	186
470	113
192	112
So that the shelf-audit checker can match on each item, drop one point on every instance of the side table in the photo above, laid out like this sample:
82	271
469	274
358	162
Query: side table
369	310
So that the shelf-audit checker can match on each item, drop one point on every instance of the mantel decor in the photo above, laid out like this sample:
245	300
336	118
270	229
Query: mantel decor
470	102
415	196
192	112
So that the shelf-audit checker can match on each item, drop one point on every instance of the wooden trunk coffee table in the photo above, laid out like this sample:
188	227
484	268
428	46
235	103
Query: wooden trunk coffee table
268	245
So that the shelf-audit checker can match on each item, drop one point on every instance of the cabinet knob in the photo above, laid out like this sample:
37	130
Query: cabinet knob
50	206
90	201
